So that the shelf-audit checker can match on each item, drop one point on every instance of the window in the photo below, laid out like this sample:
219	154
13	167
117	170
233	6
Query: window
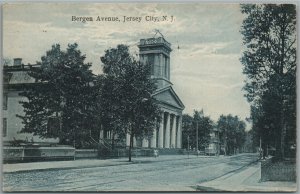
53	126
4	129
166	66
5	98
151	62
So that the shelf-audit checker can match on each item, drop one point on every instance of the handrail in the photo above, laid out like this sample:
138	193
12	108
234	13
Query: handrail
102	141
105	143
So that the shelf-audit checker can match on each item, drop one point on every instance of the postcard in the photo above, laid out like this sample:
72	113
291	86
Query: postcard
165	97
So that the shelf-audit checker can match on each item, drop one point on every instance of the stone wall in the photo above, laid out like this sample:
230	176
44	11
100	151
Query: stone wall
86	153
27	154
119	153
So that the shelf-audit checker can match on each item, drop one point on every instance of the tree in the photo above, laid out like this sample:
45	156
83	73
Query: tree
269	35
187	122
129	91
190	125
204	125
232	133
108	102
59	104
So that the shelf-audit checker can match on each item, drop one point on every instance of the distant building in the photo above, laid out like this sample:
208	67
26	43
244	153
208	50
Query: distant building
214	143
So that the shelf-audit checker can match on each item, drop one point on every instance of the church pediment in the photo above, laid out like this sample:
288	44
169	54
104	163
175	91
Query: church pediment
168	96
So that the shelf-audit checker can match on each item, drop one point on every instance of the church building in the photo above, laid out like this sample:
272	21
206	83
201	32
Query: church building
156	52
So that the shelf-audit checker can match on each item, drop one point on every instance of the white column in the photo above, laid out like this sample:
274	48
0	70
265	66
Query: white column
145	143
127	139
161	132
179	136
101	136
167	135
153	139
173	132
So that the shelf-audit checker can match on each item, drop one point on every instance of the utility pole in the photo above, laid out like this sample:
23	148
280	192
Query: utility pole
188	146
197	137
260	142
260	149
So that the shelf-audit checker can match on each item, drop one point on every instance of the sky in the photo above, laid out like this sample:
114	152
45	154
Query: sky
205	68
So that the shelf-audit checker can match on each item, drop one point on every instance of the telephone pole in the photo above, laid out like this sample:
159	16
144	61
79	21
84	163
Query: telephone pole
197	136
188	138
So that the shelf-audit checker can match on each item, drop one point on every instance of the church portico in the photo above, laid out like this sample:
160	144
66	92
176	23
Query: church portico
167	135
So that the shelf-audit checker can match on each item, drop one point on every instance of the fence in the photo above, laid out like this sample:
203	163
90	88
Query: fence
278	170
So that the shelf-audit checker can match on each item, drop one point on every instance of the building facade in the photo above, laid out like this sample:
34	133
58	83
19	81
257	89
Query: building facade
16	78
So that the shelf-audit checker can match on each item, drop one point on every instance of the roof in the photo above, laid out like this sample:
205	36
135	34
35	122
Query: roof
168	96
17	74
20	77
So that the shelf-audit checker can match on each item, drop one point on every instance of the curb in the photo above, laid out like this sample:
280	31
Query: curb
91	166
65	168
105	165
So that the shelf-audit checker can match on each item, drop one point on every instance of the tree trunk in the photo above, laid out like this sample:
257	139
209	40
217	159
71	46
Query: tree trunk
130	147
282	142
282	120
225	146
280	135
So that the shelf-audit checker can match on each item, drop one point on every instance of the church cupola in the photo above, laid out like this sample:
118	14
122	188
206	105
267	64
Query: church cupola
156	53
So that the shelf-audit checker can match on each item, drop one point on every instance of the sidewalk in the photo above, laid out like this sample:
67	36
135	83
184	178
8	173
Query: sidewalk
246	179
88	163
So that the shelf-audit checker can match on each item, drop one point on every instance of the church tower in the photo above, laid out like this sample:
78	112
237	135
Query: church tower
156	53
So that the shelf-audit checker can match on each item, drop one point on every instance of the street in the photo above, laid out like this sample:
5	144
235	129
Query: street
142	175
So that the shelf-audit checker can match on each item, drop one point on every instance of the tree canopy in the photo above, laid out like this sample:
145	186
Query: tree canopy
58	105
269	60
127	91
190	125
232	133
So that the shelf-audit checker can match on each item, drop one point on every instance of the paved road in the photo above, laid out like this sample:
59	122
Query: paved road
176	175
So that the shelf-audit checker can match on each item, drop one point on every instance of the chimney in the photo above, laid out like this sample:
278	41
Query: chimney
17	61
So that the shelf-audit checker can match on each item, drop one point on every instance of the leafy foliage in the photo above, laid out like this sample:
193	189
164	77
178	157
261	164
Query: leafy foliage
232	133
63	91
127	94
269	34
190	125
